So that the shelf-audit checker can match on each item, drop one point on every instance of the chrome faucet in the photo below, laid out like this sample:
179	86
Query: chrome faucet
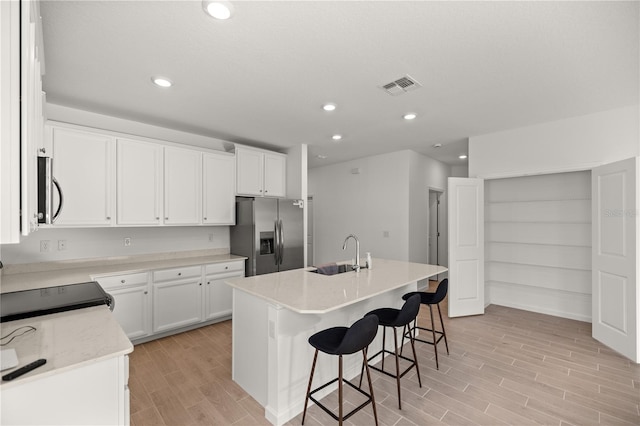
356	267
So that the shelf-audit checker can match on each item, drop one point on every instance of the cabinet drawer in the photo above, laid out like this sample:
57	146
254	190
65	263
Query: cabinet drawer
177	273
217	268
128	280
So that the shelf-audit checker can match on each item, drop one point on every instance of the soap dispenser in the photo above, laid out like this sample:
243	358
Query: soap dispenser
369	266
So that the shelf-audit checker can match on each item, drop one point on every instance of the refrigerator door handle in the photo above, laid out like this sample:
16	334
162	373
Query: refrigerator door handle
281	239
276	242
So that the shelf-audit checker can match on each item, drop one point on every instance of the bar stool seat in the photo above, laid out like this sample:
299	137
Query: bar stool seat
430	299
344	341
394	318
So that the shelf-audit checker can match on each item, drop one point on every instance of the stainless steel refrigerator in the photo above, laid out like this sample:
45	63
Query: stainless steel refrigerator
269	232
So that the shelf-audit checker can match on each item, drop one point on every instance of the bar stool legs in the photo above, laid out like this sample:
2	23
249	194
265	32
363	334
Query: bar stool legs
343	341
396	318
431	299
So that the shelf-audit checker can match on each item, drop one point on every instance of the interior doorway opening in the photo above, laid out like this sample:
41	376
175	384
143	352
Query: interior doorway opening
437	244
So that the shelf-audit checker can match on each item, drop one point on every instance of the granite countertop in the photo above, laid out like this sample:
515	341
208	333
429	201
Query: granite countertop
309	293
30	276
67	340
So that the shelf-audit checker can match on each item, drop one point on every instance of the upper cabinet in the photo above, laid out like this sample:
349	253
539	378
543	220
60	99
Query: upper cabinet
83	166
109	180
139	182
21	116
260	173
218	189
182	186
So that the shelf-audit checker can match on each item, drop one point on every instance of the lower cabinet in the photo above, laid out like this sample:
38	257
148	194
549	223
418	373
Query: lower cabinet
94	394
177	304
170	299
218	294
132	302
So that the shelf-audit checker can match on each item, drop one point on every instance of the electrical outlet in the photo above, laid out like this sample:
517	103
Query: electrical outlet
127	242
211	237
45	245
385	234
62	245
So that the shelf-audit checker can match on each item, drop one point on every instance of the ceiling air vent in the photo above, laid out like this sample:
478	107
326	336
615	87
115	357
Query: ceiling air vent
401	85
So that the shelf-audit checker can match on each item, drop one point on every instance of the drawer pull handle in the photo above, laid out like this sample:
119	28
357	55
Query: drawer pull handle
122	281
208	282
179	273
108	217
205	218
146	292
226	267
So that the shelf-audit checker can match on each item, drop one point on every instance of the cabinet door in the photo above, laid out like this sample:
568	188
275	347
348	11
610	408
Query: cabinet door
139	182
219	295
83	165
218	195
182	186
132	311
249	171
10	122
275	175
176	304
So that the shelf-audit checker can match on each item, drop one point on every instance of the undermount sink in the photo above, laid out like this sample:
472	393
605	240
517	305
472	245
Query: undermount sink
333	271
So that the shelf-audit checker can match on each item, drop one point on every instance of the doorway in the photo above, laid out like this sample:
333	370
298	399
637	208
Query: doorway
435	235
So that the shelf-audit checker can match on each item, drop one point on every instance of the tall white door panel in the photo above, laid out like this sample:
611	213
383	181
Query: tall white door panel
182	186
466	246
83	164
139	182
615	297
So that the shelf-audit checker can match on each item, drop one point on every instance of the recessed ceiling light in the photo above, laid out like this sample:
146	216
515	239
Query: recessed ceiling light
336	137
329	107
462	157
410	116
438	145
161	81
218	9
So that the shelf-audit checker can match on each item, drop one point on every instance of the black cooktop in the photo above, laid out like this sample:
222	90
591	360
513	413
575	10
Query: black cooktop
43	301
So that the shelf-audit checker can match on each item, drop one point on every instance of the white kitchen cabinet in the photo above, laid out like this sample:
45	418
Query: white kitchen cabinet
177	298
132	302
218	294
21	116
96	393
84	165
139	175
10	122
218	189
275	175
260	173
182	186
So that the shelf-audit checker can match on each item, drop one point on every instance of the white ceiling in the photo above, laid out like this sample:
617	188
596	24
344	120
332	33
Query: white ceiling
261	77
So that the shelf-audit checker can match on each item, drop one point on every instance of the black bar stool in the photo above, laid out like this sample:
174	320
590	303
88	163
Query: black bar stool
390	317
430	299
344	341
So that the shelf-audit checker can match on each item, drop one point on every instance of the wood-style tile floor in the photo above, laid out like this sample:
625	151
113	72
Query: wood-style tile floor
507	367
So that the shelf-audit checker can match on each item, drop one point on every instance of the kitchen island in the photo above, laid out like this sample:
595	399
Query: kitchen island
275	314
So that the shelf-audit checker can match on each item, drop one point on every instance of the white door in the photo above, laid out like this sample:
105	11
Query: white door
249	171
615	217
218	194
83	165
182	186
139	182
275	175
466	246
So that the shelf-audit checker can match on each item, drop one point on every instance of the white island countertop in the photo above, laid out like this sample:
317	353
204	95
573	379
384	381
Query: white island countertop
307	292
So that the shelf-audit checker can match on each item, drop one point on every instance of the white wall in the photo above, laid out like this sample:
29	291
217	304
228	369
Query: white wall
115	124
109	242
577	143
389	194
